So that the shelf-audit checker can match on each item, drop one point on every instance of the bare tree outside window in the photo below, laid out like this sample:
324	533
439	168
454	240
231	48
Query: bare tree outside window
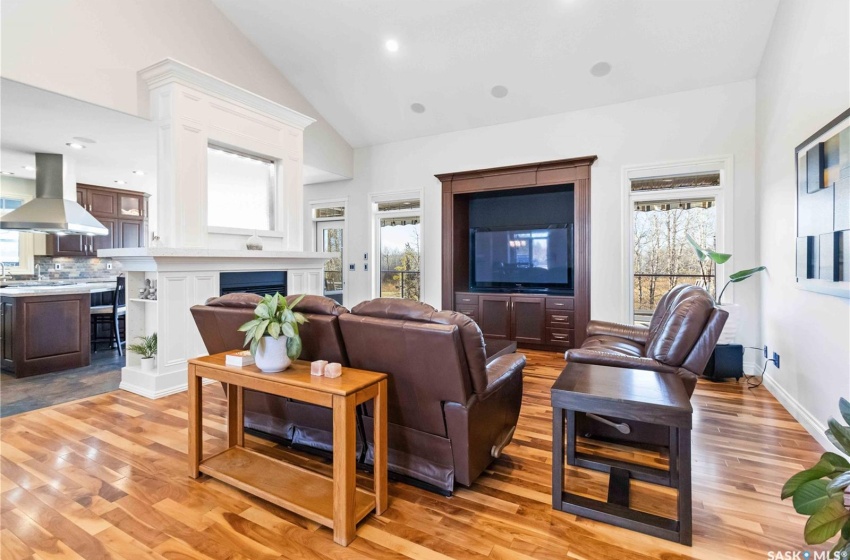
662	255
400	258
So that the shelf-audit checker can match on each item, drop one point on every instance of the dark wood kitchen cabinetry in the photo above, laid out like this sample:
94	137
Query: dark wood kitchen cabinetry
124	213
44	333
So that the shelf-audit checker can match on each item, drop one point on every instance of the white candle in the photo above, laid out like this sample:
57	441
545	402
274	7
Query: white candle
318	367
333	369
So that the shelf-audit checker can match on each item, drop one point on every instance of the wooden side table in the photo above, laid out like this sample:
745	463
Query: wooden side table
333	502
631	394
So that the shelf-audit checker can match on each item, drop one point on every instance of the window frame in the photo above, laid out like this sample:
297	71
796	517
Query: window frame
26	242
376	216
723	211
314	228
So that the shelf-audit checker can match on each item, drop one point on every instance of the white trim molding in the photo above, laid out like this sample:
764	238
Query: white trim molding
799	412
170	71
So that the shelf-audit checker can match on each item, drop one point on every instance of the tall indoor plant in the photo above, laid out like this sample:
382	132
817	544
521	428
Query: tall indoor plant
708	261
273	333
819	491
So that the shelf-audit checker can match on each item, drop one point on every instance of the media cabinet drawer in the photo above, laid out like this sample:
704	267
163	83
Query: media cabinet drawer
471	312
466	300
560	303
561	337
560	319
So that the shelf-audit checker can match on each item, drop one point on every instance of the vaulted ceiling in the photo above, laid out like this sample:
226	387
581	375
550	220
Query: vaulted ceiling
452	53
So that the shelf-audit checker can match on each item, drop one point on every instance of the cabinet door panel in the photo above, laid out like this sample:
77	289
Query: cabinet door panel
69	245
102	203
528	316
131	234
131	206
104	241
495	316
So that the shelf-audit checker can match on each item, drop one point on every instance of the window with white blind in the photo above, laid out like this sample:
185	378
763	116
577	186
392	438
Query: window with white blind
240	190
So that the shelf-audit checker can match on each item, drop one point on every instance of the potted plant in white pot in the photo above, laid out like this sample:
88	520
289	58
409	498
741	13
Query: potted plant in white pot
708	260
146	348
273	333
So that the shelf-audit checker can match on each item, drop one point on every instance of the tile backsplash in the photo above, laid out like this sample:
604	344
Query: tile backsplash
77	267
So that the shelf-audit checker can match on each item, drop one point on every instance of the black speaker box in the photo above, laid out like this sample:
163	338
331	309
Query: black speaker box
727	360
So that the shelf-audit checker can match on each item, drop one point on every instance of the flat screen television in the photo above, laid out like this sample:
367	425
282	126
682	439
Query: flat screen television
522	259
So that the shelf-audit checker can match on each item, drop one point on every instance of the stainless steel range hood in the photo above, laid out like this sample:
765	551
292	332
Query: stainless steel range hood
49	211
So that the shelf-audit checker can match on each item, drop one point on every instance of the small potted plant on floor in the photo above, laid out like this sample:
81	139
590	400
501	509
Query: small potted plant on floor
146	348
273	333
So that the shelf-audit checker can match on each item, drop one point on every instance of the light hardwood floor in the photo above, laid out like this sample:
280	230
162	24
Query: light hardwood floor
105	477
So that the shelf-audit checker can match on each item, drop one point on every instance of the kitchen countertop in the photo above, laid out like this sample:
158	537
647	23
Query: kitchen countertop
75	286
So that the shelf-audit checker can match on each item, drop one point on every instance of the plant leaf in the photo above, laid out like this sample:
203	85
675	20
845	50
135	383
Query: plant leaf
297	301
254	344
261	330
718	258
820	470
839	545
844	408
840	435
288	330
261	311
824	524
249	336
811	497
838	484
274	329
744	274
293	347
249	324
701	255
835	460
299	318
845	531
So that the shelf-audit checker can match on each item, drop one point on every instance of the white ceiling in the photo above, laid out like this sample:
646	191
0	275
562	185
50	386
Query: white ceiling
35	120
452	53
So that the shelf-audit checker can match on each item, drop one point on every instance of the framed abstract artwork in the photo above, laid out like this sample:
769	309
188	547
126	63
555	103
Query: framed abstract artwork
823	209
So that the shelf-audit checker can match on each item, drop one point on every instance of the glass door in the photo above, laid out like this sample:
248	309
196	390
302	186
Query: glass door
400	257
329	236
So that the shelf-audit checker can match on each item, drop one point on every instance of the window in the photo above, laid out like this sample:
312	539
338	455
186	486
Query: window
10	241
398	236
666	204
330	235
240	190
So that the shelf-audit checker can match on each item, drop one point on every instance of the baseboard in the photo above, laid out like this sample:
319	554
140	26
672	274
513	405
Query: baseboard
146	390
803	416
751	368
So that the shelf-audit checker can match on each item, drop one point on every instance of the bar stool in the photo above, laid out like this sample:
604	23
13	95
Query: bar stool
110	314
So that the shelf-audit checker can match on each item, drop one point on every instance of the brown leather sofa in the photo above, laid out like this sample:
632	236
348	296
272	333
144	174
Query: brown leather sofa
679	341
450	411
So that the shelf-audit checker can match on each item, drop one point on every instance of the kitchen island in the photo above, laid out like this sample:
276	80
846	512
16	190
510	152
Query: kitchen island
45	325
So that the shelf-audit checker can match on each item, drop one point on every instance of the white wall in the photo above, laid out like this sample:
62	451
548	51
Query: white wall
706	122
803	83
92	49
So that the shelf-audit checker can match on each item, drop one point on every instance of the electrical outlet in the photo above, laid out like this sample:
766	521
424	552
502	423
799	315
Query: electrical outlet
765	351
776	360
352	267
365	256
366	267
109	267
57	266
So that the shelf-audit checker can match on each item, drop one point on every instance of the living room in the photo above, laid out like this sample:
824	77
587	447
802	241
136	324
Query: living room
414	138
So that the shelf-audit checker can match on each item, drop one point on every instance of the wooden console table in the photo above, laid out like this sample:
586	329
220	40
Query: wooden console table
630	394
336	503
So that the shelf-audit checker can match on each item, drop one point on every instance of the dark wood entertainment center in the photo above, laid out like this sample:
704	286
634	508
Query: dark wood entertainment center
551	321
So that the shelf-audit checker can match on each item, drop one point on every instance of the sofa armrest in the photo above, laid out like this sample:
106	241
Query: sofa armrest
599	357
500	370
635	333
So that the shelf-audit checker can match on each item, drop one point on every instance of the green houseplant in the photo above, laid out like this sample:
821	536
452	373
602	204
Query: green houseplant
708	261
273	333
146	348
819	491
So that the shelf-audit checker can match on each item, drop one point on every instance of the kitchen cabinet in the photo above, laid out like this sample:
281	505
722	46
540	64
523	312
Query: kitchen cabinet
123	213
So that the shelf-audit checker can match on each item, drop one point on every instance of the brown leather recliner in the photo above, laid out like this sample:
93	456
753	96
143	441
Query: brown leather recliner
679	340
450	411
296	422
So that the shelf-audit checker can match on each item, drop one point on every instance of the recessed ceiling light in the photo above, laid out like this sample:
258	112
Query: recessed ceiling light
74	145
499	92
417	108
120	182
6	173
138	172
28	167
392	45
600	69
